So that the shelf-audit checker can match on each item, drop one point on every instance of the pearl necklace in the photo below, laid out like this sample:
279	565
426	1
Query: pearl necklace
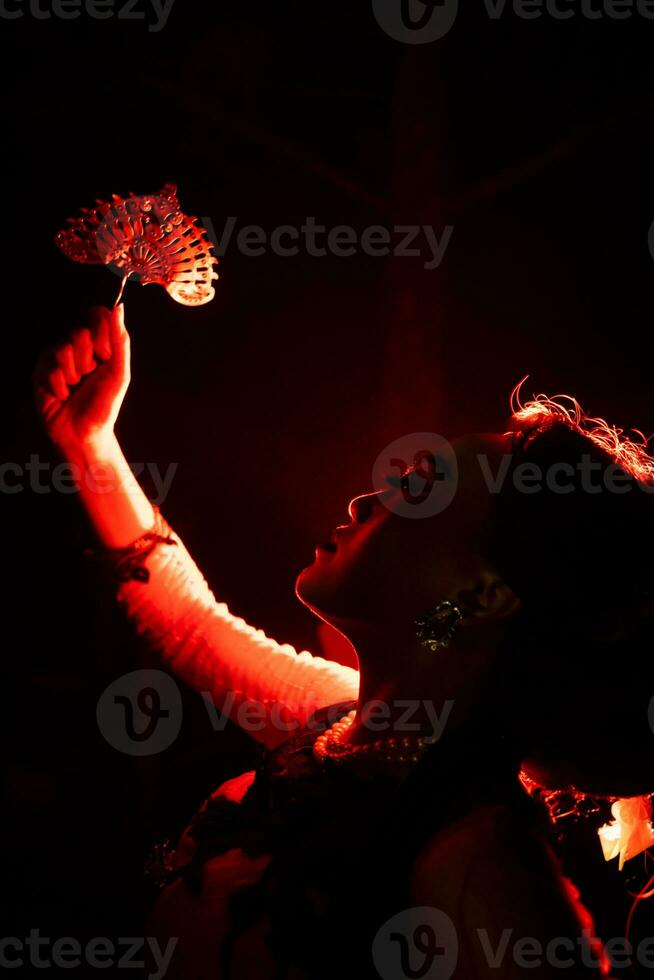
330	745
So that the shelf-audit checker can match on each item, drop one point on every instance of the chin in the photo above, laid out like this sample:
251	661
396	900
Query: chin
307	586
316	589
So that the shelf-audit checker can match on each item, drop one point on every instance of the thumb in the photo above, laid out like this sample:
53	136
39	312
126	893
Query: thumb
119	340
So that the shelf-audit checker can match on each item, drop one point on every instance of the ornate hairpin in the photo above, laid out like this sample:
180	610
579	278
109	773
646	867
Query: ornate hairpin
146	238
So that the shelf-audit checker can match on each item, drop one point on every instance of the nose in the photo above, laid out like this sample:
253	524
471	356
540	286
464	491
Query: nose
361	508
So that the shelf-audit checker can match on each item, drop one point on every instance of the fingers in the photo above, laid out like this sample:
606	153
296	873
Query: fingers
110	338
59	369
99	324
49	380
105	340
65	359
67	363
83	352
75	358
58	384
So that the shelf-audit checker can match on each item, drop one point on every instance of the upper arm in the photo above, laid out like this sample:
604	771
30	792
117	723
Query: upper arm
268	688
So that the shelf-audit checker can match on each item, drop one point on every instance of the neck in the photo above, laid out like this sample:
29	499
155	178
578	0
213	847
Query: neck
408	691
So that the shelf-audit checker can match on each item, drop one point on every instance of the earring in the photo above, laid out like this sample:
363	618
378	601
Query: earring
436	628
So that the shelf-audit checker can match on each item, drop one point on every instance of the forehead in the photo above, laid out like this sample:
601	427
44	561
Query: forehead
479	457
458	503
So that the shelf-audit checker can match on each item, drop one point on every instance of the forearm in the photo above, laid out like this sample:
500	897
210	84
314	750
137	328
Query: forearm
268	688
117	507
209	648
79	388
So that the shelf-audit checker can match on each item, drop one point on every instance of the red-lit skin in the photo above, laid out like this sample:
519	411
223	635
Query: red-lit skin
388	569
80	419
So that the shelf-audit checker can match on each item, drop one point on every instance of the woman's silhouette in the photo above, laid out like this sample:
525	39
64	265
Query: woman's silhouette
488	636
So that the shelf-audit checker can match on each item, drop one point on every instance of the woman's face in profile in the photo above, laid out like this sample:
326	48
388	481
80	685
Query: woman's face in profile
409	545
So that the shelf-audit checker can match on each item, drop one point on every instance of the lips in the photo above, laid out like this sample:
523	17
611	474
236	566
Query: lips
331	544
334	539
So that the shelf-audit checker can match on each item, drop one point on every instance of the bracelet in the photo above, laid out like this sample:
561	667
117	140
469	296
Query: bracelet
129	562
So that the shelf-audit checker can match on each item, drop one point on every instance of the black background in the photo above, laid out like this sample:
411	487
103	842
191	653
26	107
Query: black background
532	138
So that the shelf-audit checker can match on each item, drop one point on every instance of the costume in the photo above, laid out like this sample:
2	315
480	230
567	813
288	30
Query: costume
293	870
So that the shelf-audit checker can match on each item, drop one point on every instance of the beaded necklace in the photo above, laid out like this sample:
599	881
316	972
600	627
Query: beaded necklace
331	745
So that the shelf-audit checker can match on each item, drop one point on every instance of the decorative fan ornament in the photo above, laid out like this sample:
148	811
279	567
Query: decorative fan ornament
147	239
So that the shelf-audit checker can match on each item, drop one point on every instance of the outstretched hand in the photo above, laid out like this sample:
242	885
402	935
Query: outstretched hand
80	384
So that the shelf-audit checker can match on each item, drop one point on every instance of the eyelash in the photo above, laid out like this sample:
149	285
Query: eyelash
400	482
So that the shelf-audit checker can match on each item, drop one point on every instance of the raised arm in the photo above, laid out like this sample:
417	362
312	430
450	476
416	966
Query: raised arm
268	688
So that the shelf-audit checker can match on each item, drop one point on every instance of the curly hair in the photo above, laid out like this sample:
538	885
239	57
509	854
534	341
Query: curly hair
542	411
577	552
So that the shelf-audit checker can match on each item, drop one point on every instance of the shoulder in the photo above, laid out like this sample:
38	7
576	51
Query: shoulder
512	908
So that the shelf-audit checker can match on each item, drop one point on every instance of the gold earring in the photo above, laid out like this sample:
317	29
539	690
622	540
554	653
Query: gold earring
436	628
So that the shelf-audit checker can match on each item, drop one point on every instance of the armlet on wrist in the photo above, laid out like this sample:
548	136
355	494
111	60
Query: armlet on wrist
129	562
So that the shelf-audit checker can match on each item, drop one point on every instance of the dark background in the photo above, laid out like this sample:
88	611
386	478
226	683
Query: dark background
532	138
